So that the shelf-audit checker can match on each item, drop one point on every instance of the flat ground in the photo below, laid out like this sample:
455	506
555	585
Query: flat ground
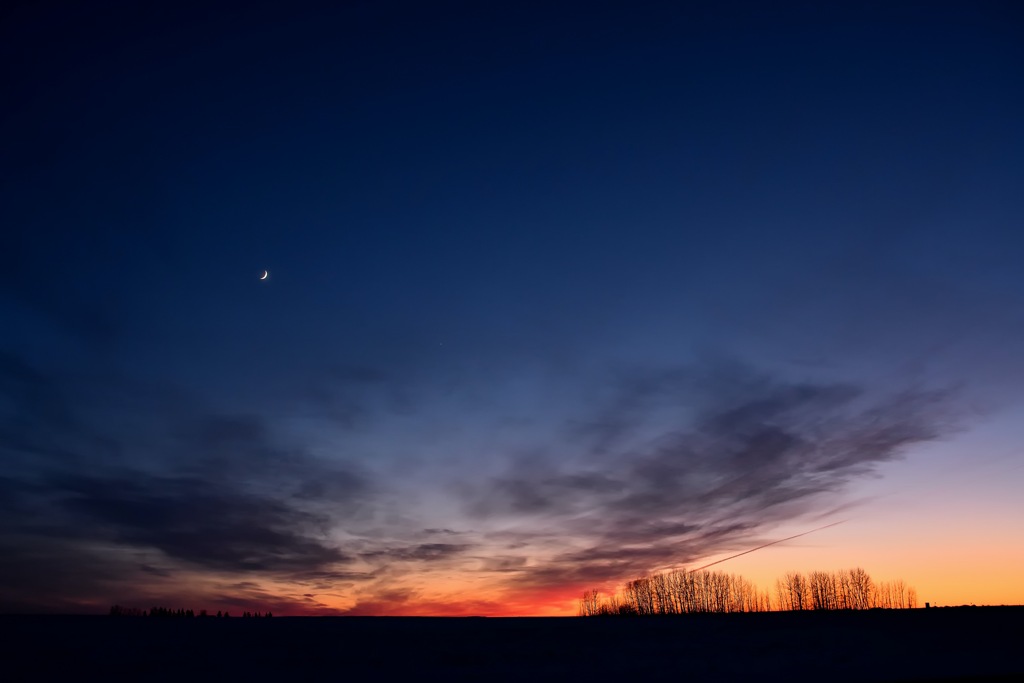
969	643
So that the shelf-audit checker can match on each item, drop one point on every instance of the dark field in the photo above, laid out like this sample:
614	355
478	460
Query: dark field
982	643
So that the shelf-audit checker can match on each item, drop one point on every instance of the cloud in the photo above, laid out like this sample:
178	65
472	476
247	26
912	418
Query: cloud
156	571
243	448
503	563
43	573
177	491
679	466
194	521
247	596
408	602
655	468
424	552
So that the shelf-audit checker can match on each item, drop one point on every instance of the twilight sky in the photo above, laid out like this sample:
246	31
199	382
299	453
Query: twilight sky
560	294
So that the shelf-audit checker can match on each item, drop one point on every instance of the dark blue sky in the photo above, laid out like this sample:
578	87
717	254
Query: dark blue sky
509	244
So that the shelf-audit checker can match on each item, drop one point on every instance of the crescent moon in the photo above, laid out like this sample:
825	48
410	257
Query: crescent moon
265	275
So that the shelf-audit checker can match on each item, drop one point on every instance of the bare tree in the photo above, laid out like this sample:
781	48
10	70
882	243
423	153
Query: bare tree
590	603
662	587
795	592
640	596
782	596
893	595
824	590
860	587
682	592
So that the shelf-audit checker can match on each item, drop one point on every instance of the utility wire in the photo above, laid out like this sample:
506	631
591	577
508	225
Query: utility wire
745	552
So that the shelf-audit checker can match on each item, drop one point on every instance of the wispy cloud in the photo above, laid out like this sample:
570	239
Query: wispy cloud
741	451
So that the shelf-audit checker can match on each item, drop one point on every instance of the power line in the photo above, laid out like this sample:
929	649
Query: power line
745	552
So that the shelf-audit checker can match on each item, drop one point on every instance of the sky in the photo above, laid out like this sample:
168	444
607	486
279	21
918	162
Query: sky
558	295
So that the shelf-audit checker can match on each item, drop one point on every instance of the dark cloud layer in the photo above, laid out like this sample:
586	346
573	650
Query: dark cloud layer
197	491
193	521
666	466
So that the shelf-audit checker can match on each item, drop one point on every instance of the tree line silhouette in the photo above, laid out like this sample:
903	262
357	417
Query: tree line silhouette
683	592
165	612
